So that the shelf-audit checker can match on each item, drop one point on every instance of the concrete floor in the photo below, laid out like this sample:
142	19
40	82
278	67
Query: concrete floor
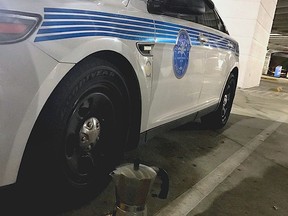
204	166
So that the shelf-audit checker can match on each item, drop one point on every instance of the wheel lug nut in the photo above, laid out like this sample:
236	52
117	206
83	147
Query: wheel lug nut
89	125
84	138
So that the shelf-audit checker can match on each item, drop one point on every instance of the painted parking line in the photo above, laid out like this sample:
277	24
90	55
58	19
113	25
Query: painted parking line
186	202
262	93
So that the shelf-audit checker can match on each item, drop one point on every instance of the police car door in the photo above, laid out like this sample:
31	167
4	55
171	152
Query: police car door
219	49
177	69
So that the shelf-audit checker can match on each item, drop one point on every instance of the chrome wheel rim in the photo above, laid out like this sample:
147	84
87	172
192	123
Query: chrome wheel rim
88	131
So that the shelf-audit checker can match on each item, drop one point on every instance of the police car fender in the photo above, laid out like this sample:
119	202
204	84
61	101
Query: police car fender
57	39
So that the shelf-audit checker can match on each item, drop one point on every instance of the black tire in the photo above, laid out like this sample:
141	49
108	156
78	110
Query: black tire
219	118
62	151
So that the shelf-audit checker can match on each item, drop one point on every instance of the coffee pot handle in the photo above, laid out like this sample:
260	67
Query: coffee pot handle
163	175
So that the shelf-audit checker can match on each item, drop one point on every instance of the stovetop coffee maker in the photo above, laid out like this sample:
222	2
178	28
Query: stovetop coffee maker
133	183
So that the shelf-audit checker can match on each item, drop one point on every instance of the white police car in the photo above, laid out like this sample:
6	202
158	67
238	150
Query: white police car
83	80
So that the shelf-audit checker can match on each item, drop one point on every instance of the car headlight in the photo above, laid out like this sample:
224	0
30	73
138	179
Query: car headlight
17	26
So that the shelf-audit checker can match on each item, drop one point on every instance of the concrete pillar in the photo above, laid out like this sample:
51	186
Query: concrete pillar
250	23
267	62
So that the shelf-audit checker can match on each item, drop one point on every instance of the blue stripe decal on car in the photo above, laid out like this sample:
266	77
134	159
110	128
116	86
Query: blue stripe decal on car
103	29
89	34
189	29
107	19
77	11
60	23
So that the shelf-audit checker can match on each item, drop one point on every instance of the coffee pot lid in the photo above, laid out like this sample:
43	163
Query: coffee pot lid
135	171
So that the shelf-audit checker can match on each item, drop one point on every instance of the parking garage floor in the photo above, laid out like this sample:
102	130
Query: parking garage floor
239	170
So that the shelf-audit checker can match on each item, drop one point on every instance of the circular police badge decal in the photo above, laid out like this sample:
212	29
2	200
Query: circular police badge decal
181	54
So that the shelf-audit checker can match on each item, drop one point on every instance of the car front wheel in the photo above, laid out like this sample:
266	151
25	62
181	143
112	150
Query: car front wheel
80	134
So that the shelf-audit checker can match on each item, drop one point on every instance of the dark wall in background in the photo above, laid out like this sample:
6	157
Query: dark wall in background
279	59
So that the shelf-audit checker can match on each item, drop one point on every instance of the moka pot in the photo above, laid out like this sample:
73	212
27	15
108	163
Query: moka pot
133	183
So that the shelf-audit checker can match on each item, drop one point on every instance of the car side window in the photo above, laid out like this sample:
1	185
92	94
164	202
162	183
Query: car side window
210	19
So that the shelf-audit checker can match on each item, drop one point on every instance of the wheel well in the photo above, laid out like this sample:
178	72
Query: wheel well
32	149
131	80
235	71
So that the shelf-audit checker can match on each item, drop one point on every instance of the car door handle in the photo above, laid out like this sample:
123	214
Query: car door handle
203	39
